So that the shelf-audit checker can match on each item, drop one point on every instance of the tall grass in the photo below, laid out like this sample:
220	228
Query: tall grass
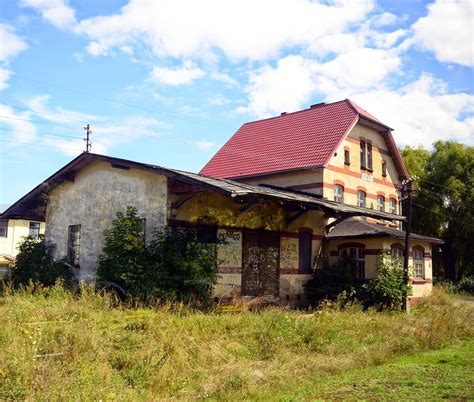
56	345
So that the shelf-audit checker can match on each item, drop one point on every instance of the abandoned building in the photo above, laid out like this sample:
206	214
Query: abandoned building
282	194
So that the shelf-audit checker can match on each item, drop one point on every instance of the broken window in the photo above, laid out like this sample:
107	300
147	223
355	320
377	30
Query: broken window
355	257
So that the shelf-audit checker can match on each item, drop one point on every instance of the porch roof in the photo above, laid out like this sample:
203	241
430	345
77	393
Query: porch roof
357	228
33	204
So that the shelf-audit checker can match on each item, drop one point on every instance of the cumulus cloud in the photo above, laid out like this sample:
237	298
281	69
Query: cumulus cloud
448	31
17	122
11	45
185	28
56	12
422	111
177	76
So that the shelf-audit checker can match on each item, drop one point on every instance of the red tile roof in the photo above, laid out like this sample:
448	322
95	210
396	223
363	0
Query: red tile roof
303	139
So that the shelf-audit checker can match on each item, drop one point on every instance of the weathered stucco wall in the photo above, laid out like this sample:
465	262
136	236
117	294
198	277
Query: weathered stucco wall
98	192
231	224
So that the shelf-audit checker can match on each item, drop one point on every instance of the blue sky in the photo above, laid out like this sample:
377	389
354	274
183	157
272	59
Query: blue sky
168	82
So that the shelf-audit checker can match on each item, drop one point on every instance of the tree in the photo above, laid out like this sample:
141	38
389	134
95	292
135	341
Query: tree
34	262
444	203
174	265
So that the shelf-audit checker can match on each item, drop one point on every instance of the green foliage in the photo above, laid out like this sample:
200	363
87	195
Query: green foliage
443	206
173	265
34	263
389	289
332	281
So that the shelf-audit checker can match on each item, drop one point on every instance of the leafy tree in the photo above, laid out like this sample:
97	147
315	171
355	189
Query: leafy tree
174	265
34	262
444	204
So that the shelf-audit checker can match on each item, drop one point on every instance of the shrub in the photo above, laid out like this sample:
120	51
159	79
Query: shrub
389	288
330	282
466	285
173	266
34	263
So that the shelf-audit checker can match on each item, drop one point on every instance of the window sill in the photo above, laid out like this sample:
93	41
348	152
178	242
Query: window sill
420	281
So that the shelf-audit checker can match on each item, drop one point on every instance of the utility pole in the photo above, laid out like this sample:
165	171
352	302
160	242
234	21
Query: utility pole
407	190
87	139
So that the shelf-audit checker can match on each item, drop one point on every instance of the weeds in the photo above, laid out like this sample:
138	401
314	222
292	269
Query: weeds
56	345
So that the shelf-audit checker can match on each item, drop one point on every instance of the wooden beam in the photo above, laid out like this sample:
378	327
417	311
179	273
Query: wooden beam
184	199
295	216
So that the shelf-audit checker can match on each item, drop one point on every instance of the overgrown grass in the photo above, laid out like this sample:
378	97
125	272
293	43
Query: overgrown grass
55	345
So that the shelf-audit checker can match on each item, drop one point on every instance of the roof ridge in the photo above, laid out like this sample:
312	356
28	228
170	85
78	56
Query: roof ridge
319	106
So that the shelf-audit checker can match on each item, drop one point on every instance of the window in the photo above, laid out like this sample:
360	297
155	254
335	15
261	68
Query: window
381	203
362	155
369	156
384	169
347	160
361	199
397	251
3	227
418	263
392	206
34	230
304	245
339	193
74	245
355	257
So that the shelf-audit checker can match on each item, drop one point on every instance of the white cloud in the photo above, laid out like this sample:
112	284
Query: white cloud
225	78
5	75
448	31
56	12
218	100
204	145
21	129
184	28
11	43
178	76
281	89
422	112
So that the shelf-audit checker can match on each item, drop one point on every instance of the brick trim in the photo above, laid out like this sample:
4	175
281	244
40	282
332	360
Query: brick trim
359	175
340	182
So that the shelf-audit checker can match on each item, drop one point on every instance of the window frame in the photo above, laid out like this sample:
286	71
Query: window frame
392	208
339	198
36	230
381	205
364	204
384	169
369	162
74	245
4	228
363	155
355	254
347	157
418	254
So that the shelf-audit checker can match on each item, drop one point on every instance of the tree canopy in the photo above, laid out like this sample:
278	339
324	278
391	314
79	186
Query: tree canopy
444	203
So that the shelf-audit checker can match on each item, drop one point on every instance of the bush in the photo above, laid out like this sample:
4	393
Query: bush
173	266
466	285
389	289
35	263
330	282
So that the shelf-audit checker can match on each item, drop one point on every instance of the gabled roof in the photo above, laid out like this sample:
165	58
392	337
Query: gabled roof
357	228
300	140
33	204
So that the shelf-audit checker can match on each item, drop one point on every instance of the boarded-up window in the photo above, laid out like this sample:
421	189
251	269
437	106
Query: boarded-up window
305	238
74	245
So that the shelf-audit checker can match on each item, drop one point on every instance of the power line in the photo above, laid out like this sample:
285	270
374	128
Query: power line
38	122
37	145
40	133
90	94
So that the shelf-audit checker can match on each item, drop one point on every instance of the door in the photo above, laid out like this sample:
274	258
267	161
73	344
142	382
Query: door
261	251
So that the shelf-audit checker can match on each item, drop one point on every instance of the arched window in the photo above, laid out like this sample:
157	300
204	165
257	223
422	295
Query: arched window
392	206
355	257
381	203
418	263
397	251
339	193
361	198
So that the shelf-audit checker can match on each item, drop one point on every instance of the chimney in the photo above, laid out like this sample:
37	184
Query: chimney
283	114
317	104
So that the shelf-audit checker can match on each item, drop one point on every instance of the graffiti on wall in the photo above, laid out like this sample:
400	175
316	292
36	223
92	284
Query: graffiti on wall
229	249
288	253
